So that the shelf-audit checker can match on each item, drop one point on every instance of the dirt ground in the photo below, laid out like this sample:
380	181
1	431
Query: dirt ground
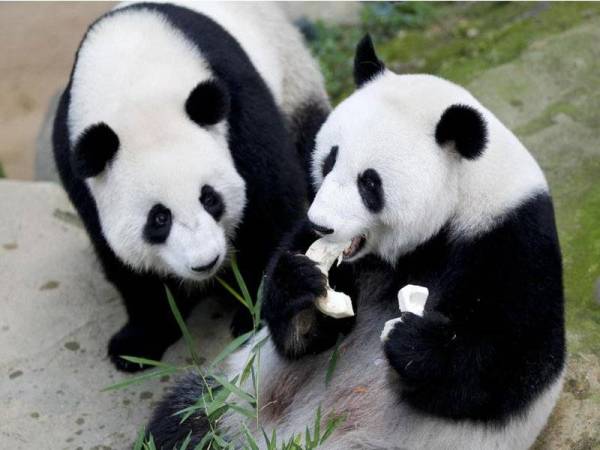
37	45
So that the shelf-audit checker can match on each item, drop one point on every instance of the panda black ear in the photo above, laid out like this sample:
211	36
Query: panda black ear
465	127
96	146
366	64
208	103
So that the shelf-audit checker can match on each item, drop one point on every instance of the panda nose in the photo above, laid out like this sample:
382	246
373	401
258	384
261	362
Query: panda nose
320	229
206	267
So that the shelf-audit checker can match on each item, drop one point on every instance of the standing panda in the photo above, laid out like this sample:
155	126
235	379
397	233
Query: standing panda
431	189
181	138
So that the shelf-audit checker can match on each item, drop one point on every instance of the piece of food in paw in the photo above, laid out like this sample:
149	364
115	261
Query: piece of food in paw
388	327
412	298
324	253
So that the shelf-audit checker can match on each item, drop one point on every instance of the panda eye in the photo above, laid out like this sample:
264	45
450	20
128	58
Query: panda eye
158	224
212	201
371	190
329	162
161	219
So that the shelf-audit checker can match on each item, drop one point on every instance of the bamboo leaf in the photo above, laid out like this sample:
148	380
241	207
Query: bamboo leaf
233	292
186	334
249	438
259	301
139	442
234	389
241	283
317	431
231	347
149	362
249	413
219	440
186	442
332	424
247	369
140	378
332	362
207	437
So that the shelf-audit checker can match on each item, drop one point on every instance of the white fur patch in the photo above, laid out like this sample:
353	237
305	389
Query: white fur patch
275	48
389	125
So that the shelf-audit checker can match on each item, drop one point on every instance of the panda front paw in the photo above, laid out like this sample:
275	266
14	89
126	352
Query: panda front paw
292	285
417	347
139	341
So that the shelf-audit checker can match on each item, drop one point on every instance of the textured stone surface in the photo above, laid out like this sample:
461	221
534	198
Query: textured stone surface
57	315
45	168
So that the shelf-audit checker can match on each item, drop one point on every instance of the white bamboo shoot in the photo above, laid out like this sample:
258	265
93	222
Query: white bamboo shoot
324	253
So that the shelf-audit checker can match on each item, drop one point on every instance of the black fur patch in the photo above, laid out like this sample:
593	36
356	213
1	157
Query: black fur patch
158	224
96	146
166	426
492	335
212	202
329	161
305	124
465	127
208	103
366	64
371	190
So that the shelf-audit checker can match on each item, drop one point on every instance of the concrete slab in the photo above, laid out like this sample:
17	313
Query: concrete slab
57	315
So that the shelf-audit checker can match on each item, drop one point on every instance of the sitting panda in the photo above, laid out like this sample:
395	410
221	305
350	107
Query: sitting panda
182	137
430	189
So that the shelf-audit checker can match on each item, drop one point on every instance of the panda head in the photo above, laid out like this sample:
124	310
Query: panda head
164	181
388	158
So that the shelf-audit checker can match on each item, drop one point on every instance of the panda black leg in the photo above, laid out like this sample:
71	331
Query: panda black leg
151	327
139	339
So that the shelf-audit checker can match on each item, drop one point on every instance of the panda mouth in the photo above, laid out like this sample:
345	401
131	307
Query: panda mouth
356	245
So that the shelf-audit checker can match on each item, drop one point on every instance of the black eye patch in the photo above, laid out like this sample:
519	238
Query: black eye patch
158	224
371	190
212	202
329	162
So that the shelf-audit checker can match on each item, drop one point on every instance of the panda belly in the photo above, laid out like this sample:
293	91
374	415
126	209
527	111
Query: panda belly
366	391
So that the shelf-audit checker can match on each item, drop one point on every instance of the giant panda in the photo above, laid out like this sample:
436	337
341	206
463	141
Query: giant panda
181	138
430	189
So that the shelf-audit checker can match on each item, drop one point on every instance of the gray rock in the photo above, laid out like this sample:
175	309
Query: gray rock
57	314
45	169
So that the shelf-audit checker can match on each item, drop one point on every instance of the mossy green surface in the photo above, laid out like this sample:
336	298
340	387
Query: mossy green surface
2	174
455	40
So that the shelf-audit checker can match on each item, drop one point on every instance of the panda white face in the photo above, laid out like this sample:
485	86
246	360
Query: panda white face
383	180
148	126
166	189
172	210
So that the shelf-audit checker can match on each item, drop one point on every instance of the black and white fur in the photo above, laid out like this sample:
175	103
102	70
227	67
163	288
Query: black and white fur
444	196
181	137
